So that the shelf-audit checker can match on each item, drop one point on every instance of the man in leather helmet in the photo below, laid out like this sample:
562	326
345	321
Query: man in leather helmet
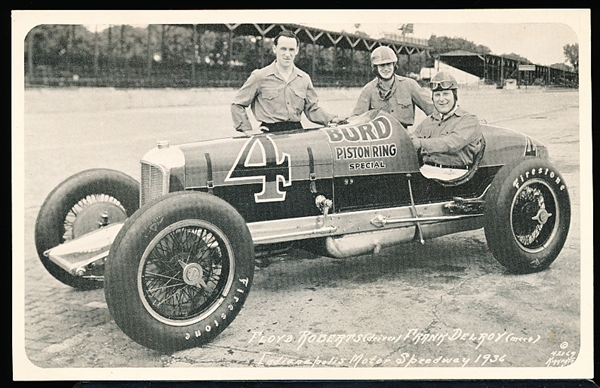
390	92
450	137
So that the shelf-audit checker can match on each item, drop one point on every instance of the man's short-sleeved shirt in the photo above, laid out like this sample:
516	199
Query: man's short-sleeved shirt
273	99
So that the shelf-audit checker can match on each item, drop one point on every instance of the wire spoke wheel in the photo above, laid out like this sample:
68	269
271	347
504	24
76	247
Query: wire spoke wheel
92	212
81	204
179	271
533	215
185	271
527	215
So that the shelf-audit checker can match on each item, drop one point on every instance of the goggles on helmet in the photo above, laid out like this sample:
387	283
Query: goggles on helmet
443	85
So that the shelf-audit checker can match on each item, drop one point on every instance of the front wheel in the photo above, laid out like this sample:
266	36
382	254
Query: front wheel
79	205
527	215
179	271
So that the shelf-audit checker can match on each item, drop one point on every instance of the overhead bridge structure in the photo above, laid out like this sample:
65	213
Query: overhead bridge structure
495	69
345	44
316	36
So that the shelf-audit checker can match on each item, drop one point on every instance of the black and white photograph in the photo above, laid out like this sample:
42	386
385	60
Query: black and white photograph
302	195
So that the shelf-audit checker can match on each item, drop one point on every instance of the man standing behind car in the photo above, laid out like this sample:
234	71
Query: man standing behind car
390	92
279	93
450	137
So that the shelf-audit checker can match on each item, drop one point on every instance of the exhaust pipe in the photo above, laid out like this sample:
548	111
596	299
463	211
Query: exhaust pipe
357	244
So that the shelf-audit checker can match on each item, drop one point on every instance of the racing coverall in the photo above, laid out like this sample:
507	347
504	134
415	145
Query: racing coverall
451	141
405	94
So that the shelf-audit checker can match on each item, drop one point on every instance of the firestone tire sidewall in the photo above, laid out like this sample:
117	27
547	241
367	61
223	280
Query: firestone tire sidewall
49	226
121	273
497	215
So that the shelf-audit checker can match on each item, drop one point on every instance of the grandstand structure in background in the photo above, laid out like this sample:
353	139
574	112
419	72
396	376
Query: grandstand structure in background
352	70
496	69
344	44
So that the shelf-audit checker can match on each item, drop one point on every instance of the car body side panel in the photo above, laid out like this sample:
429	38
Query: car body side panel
248	159
379	146
504	145
363	180
264	176
362	165
393	190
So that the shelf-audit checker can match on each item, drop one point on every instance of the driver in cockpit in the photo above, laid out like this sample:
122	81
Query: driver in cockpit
450	137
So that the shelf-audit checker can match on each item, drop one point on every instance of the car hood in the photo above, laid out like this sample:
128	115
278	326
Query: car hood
504	144
221	158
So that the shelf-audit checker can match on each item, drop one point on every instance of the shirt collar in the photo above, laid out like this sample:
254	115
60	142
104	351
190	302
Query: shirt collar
272	70
383	93
397	78
457	111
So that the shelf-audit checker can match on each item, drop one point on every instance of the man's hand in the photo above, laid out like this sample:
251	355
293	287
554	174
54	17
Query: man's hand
251	131
416	142
338	121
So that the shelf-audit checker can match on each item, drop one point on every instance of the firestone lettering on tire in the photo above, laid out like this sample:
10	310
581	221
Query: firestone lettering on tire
539	171
154	226
223	316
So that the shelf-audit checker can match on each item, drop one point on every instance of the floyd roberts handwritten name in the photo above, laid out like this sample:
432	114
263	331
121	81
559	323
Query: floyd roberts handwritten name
414	336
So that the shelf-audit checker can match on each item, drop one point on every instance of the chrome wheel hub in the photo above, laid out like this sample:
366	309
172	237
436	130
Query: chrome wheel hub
192	274
542	216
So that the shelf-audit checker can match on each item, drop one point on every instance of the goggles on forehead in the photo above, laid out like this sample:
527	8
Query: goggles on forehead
441	85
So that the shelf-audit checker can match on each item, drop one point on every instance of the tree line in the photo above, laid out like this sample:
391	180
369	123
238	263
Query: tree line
164	55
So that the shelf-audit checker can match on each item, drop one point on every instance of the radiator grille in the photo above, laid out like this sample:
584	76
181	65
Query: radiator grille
152	183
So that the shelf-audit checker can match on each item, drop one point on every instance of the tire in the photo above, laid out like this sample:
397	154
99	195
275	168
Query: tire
527	215
179	271
74	208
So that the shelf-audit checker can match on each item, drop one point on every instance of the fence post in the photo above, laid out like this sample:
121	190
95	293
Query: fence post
149	55
194	44
259	50
30	50
352	75
96	55
314	58
501	72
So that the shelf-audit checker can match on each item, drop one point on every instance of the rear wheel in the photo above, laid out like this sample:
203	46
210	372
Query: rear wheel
179	271
81	204
527	215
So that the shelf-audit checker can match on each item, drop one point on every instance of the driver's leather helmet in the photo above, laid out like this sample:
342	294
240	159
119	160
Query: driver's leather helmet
382	55
443	81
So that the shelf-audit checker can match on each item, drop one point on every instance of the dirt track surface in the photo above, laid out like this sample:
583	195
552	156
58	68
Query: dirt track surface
446	303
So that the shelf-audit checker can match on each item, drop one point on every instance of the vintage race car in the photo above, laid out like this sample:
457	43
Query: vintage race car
176	253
